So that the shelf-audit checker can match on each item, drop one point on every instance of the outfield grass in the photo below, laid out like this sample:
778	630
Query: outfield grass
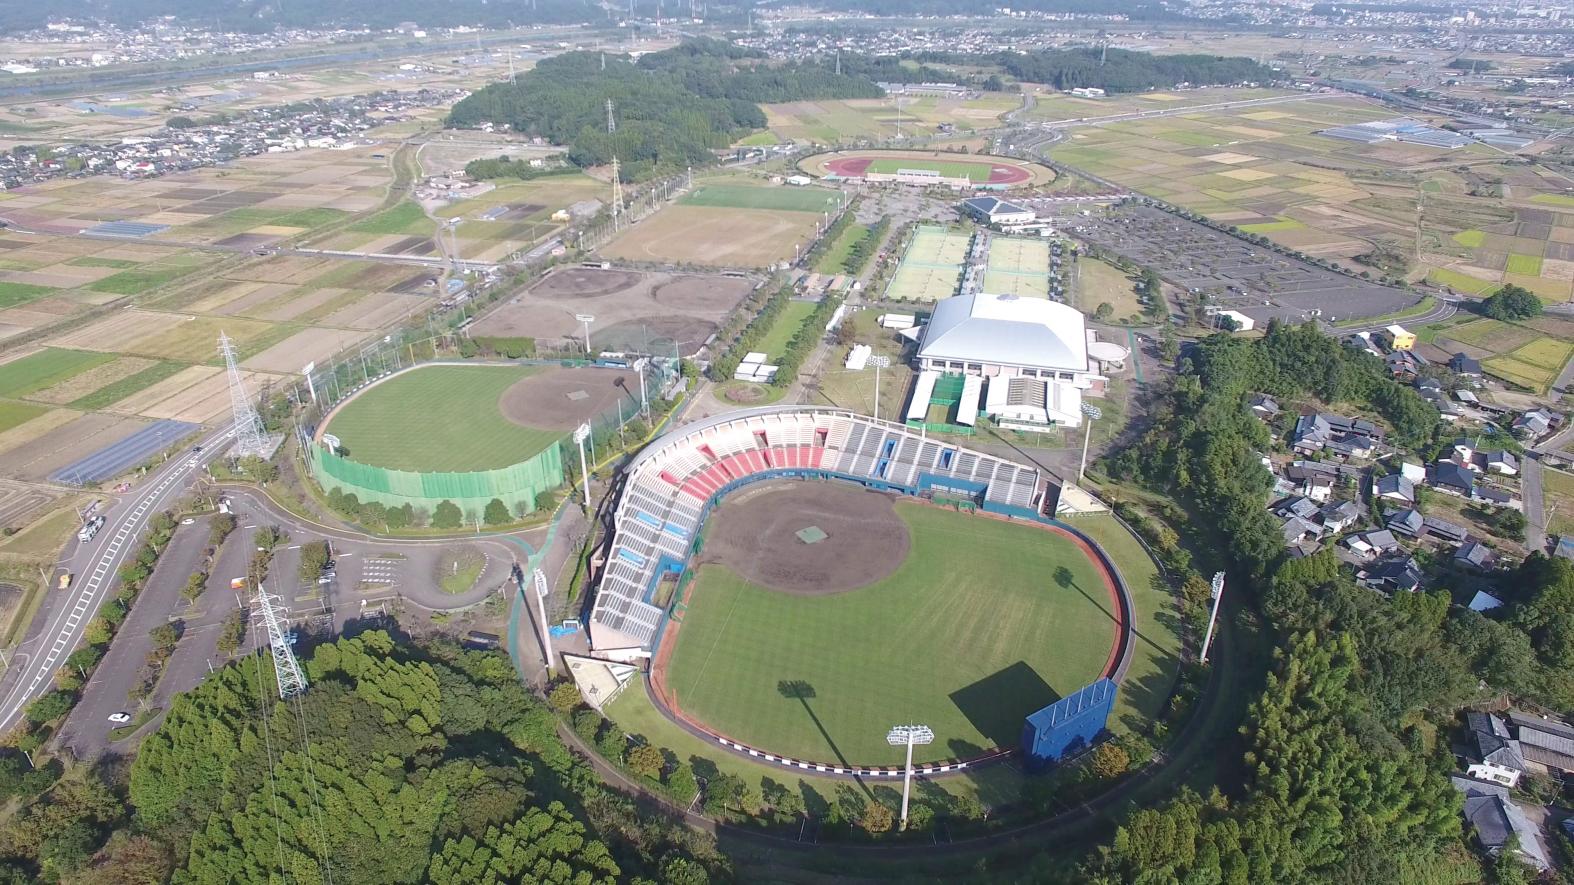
787	324
12	294
783	199
47	367
116	391
969	635
439	418
947	168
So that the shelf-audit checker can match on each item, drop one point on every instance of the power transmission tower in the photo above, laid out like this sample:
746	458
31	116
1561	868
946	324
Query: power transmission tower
286	669
617	193
248	427
612	122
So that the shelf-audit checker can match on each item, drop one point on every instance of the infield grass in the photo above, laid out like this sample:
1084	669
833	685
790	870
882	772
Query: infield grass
49	366
947	168
785	198
970	634
439	418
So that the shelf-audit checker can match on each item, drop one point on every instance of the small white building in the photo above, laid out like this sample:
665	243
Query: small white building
1243	323
799	180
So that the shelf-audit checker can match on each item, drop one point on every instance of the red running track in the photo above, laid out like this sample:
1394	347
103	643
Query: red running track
856	167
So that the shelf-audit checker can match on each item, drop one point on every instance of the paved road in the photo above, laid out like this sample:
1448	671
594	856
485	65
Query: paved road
1530	492
95	564
1440	311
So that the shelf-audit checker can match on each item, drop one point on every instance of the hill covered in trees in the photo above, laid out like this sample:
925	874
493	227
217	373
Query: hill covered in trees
1121	70
1345	751
402	763
673	108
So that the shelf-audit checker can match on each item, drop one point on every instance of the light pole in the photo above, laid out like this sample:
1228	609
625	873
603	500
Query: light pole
541	608
1213	617
879	362
586	319
1093	413
909	736
582	433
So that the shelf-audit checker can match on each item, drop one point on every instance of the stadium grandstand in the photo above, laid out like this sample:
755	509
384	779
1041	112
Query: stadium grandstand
669	488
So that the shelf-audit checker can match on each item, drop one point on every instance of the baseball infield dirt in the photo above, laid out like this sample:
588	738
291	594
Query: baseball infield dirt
544	401
754	533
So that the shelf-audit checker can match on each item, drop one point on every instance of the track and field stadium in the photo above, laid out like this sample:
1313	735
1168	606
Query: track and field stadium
465	433
928	168
858	575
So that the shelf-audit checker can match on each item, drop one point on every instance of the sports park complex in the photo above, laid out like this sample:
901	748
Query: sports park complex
861	572
927	168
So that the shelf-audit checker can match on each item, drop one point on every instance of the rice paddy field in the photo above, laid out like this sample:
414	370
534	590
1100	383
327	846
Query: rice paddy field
1266	170
1528	353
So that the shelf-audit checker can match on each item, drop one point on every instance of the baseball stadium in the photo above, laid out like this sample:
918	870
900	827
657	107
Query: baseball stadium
859	572
466	433
923	168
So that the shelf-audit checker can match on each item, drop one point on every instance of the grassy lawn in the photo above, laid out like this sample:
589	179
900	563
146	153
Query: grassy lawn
836	254
458	569
45	368
782	198
439	418
1099	282
948	168
787	324
1557	493
1001	638
113	393
12	294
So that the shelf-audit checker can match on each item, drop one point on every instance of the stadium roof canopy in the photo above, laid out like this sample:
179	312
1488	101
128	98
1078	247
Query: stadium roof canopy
993	206
1007	330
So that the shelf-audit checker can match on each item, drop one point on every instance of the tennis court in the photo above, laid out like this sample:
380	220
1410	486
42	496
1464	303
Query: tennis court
931	267
1017	266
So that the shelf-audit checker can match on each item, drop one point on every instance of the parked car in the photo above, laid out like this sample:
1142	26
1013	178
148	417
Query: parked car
119	718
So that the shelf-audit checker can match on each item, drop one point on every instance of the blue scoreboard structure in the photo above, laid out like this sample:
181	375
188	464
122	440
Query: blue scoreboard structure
1068	724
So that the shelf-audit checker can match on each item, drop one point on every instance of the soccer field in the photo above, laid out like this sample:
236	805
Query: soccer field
439	418
947	168
782	198
984	622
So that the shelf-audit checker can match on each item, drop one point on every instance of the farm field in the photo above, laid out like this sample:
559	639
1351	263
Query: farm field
1558	498
438	418
1007	639
1052	106
1529	353
44	368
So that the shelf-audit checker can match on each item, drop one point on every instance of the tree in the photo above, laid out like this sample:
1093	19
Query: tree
1104	311
314	560
876	817
1512	303
496	513
400	517
447	516
564	697
646	761
1109	760
546	499
232	632
50	707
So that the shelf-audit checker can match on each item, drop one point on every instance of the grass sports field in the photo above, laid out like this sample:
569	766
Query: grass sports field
949	169
439	418
783	199
981	623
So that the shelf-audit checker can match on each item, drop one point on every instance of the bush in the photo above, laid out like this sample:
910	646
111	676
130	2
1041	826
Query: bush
563	697
447	516
496	513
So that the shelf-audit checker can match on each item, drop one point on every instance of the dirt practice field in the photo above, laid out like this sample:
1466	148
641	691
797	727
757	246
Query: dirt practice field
865	539
633	311
715	236
561	399
980	170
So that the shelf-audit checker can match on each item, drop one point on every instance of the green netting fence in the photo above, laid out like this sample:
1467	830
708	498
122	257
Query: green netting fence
516	486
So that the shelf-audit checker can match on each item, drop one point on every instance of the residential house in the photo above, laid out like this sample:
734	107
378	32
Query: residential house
1502	462
1484	602
1263	406
1404	365
1495	818
1444	530
1297	530
1392	574
1546	744
1408	522
1394	487
1468	397
1373	543
1463	364
1412	471
1498	497
1451	476
1536	423
1475	555
1497	757
1305	508
1339	516
1350	437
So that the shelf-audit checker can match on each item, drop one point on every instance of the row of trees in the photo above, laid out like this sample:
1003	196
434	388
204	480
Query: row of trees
1342	761
751	335
804	340
863	250
505	167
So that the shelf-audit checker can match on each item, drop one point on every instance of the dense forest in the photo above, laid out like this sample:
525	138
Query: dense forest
1345	751
265	15
401	763
672	108
1124	71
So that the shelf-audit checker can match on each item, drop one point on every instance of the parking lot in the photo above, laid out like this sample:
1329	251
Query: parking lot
1242	276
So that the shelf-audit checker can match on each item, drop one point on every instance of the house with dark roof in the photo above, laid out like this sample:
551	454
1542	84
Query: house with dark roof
1497	757
1547	744
1491	812
1350	437
1535	423
1408	522
1503	462
1263	406
1392	575
1303	507
1475	555
1374	543
1498	497
1463	364
1297	529
1444	530
1339	516
1394	487
1451	476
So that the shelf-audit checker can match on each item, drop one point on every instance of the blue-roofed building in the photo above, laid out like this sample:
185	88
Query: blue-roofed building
1069	724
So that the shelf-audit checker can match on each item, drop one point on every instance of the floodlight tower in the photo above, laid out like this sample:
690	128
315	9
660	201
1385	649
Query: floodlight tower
879	361
539	581
247	426
582	433
1094	413
909	736
1213	617
286	670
